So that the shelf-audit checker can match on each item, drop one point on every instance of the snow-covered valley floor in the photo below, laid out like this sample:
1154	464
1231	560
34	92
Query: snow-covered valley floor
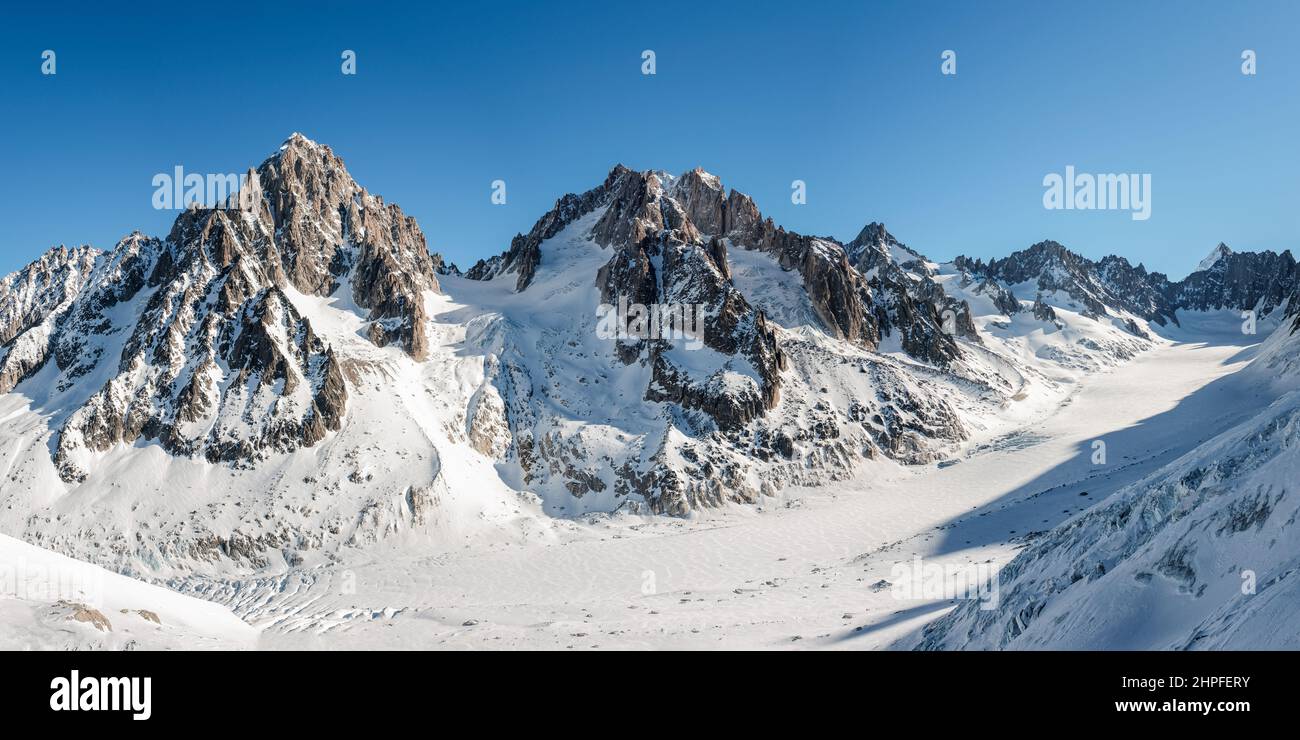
810	569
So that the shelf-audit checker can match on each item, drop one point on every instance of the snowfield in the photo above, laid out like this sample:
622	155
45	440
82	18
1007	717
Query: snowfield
811	568
1198	554
52	602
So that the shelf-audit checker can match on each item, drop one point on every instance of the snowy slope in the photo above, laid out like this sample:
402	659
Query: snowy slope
794	572
52	602
1200	554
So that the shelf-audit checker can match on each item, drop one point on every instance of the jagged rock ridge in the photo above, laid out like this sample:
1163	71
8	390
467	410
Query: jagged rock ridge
211	357
667	240
1260	281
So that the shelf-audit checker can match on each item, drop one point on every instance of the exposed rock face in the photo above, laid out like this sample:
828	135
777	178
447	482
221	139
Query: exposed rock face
838	293
842	298
693	272
635	210
859	299
1141	292
1042	311
908	301
488	429
325	226
670	242
1002	298
213	358
644	225
695	275
871	288
442	267
1225	279
31	301
30	295
874	247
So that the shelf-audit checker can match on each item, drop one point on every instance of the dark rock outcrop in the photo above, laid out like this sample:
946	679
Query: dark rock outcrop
694	273
1002	298
1042	311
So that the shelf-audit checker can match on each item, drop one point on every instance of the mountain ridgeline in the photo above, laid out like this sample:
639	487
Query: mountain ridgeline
1258	281
270	337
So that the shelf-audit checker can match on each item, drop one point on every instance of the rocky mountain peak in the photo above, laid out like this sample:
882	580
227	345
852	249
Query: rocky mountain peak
213	358
644	209
1213	257
874	246
32	300
872	236
29	295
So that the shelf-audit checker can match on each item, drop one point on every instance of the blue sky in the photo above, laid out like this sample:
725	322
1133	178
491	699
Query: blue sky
548	96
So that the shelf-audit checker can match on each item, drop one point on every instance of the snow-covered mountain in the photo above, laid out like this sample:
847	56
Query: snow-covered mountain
261	387
296	381
1255	281
1258	281
1095	288
817	356
785	386
31	301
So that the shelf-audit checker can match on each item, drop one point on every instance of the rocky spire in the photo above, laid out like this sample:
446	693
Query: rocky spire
217	361
1213	257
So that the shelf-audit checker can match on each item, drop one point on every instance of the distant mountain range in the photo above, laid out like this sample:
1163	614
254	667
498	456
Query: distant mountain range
267	385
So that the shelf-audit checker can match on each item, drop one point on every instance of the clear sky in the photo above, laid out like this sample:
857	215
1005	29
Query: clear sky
846	96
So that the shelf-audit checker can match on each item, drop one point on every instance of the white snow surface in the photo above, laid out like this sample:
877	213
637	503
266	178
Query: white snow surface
796	571
42	594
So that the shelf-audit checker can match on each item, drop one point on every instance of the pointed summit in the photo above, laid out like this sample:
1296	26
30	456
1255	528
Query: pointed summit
1213	257
874	245
297	139
228	336
874	233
